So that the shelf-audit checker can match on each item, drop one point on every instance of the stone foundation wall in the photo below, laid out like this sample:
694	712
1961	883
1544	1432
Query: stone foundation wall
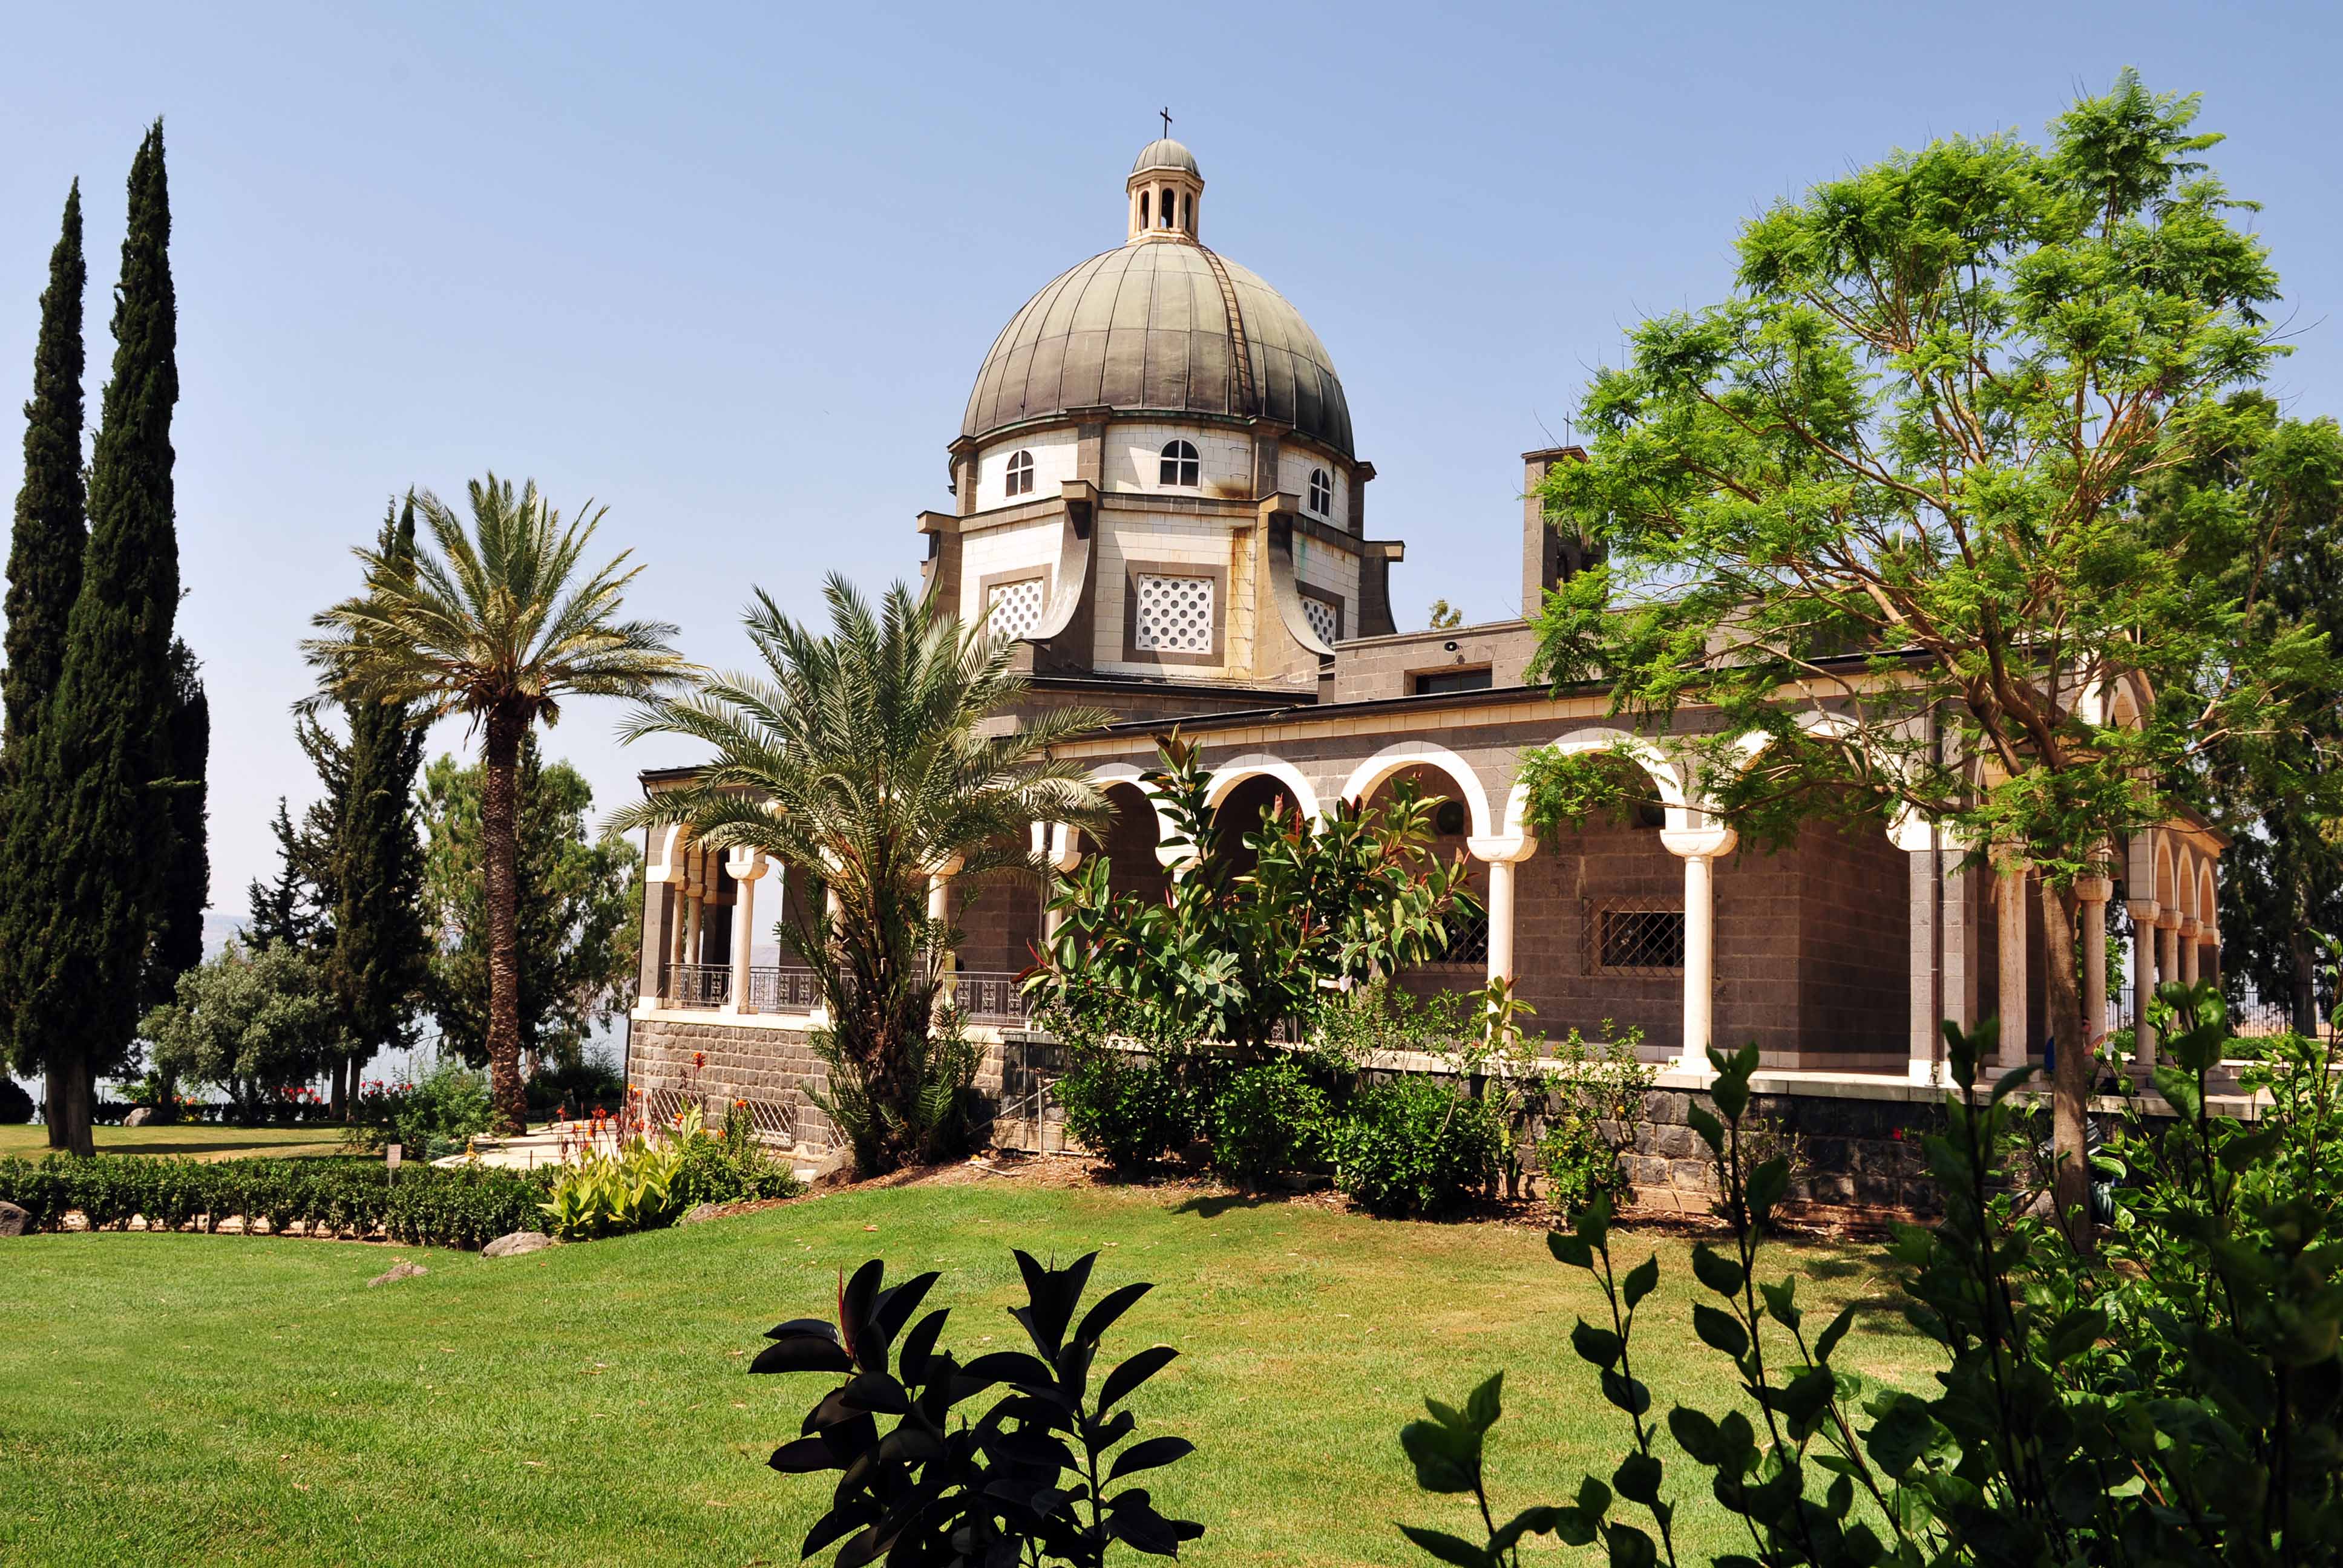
1860	1152
712	1064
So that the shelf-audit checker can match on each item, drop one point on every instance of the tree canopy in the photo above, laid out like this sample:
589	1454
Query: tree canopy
1880	509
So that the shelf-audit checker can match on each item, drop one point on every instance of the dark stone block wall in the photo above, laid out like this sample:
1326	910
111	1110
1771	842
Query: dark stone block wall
1858	1152
713	1064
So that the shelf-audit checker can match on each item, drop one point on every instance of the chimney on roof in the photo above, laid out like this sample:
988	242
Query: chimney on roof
1550	556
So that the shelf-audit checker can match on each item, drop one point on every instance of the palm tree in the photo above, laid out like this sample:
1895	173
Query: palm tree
863	757
501	624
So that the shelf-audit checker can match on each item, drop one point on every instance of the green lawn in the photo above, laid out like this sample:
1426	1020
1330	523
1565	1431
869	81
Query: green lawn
182	1397
196	1142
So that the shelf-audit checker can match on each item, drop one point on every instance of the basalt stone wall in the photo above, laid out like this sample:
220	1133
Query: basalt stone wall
1862	1153
713	1064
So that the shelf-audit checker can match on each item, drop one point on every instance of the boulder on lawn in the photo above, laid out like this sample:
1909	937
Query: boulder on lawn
139	1115
696	1213
518	1244
14	1220
402	1269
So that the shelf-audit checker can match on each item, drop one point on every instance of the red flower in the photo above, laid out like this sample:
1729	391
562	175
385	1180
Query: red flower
699	1059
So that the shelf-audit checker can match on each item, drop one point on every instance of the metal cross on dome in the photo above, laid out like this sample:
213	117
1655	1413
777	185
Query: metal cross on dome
1166	113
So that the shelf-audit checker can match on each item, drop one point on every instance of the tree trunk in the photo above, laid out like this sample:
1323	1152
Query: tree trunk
498	816
338	1099
2070	1084
69	1109
2303	972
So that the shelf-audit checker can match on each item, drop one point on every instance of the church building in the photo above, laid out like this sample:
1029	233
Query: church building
1156	491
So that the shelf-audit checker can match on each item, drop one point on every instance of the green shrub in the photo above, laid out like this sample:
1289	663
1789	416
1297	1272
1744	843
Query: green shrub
1415	1147
1593	1106
1132	1113
426	1206
1269	1120
448	1106
733	1168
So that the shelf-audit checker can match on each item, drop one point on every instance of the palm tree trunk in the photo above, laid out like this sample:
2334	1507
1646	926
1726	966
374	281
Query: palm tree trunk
498	814
2070	1083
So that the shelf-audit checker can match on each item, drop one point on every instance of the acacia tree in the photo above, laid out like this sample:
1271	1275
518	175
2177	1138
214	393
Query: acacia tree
502	623
863	757
1894	478
2275	790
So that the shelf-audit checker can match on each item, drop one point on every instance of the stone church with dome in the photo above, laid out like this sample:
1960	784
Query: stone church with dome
1156	492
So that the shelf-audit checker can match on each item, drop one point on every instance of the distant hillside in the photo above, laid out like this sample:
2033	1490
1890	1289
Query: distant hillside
218	930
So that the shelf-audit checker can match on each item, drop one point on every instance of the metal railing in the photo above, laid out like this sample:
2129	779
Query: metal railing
782	988
698	985
980	996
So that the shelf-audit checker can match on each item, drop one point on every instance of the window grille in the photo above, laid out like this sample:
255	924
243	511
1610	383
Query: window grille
1321	492
1325	619
1175	614
1013	610
1632	936
1181	465
1468	941
1020	474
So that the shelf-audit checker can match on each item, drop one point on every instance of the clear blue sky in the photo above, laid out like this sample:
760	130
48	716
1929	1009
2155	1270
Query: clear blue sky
730	270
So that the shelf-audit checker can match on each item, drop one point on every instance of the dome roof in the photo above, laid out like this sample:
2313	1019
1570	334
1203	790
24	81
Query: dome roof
1165	154
1149	328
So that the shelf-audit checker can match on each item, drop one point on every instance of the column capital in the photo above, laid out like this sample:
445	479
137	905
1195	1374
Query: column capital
2191	926
1502	849
2094	889
2143	912
1699	843
2168	920
746	864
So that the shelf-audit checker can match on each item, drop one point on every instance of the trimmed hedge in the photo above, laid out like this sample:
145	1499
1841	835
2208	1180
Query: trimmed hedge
427	1206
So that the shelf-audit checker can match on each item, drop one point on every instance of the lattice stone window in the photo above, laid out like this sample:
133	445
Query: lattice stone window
1627	936
1175	614
1325	618
1013	610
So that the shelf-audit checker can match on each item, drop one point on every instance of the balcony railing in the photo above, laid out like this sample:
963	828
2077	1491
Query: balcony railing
698	985
981	997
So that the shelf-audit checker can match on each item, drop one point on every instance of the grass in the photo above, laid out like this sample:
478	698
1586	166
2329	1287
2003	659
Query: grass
196	1141
174	1398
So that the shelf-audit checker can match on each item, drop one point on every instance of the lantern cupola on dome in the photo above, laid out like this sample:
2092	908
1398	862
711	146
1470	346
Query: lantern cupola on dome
1164	191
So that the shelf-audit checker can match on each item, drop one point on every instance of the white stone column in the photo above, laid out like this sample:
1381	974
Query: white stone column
1699	847
2167	946
2010	919
939	883
2186	969
1062	845
746	866
697	888
1502	856
2143	980
2093	893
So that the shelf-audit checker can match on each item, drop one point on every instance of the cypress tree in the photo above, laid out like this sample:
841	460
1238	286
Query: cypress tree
44	551
176	942
51	530
87	846
380	957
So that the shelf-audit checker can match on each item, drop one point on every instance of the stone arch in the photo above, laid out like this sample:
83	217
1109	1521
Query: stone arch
2167	883
2208	896
1665	775
1394	759
1255	764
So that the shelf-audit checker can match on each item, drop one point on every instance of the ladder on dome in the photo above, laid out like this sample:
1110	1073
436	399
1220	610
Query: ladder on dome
1245	402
